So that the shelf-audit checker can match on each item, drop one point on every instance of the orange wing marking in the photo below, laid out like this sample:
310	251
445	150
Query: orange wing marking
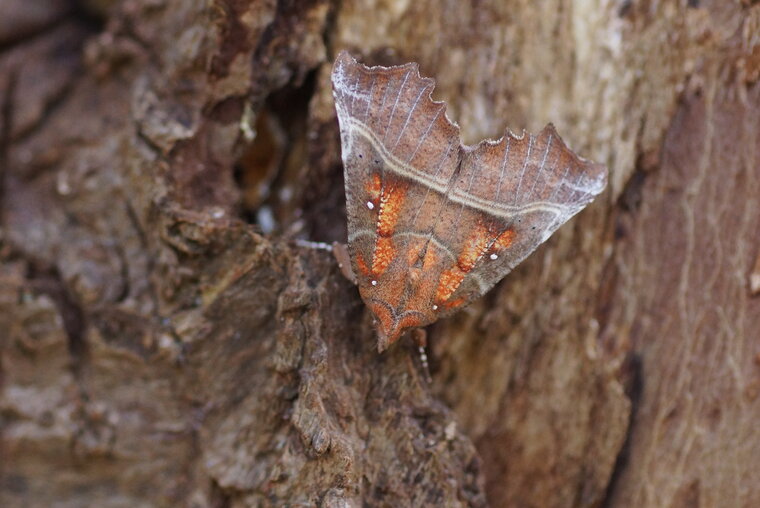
448	283
454	303
501	242
451	279
477	245
384	254
363	268
373	188
391	200
431	258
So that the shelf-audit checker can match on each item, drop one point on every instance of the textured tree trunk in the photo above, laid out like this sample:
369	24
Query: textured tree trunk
168	339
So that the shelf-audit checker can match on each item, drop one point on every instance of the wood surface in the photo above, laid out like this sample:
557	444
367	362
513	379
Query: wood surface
168	336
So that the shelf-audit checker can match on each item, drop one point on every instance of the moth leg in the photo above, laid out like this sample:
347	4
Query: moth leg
419	336
340	251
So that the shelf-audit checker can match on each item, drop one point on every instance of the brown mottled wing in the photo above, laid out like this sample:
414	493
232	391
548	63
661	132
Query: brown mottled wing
433	224
528	185
393	133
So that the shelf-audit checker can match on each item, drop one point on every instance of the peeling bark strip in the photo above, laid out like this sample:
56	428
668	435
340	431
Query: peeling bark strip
434	224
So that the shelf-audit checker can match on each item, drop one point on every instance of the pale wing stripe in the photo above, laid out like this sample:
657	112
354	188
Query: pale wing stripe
506	211
543	162
525	165
408	116
395	103
425	236
405	170
360	233
503	167
393	162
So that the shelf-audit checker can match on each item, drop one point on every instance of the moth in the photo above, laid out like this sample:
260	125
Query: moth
432	223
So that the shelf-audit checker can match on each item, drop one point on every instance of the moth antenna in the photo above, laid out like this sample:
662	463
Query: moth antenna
425	364
314	245
419	336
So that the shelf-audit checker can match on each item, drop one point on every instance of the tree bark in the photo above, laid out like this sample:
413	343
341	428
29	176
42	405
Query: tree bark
168	338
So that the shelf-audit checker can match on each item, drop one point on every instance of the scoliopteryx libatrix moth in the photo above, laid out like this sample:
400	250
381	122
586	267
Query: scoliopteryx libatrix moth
433	223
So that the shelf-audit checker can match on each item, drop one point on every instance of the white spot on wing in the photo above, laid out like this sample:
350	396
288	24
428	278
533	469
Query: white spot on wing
370	205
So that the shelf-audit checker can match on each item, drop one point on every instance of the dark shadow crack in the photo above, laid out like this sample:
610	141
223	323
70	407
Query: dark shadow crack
52	104
219	497
38	30
6	128
67	51
633	383
276	154
47	280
